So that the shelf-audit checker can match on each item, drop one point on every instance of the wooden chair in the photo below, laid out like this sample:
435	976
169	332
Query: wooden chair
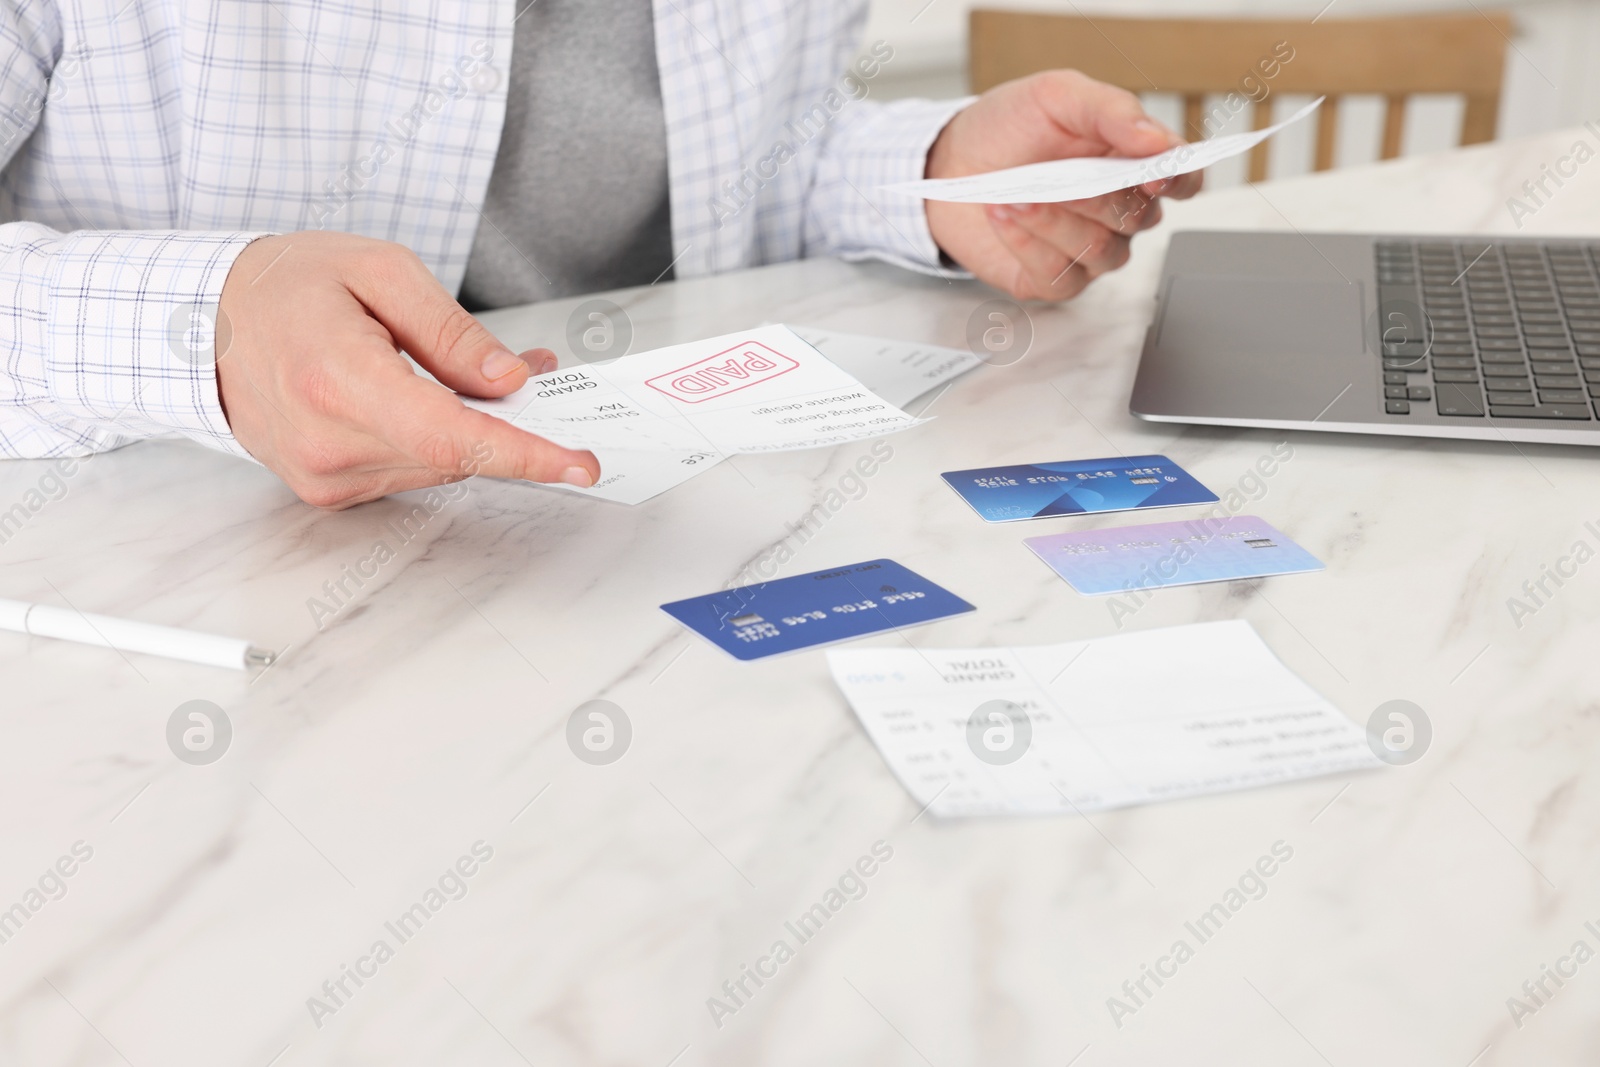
1391	57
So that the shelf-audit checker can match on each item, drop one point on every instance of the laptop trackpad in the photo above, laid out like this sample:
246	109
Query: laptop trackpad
1252	347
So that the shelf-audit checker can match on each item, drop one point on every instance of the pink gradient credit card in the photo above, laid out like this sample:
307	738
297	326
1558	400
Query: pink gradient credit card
1155	555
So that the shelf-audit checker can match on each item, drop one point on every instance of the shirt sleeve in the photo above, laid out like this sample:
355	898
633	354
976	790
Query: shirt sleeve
111	337
848	215
106	337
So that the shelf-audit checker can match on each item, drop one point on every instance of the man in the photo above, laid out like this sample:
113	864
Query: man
322	181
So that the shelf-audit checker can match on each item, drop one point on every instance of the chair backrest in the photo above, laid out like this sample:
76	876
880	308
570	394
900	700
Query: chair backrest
1255	58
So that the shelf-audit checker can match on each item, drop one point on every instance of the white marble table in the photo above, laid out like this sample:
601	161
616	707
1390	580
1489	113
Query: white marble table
430	714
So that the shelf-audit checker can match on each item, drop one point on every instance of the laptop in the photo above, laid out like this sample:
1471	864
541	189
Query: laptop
1485	338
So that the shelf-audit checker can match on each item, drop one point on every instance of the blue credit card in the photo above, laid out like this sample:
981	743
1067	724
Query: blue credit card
1040	490
1128	558
806	610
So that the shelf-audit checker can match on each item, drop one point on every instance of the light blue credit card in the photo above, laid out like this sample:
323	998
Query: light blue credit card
1125	558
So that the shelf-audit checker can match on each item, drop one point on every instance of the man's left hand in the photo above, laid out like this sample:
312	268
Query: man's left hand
1048	251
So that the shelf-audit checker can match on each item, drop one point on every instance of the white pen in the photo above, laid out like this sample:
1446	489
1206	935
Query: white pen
124	635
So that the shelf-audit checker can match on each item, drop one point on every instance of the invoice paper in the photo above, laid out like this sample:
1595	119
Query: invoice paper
762	390
1097	724
898	371
895	372
1089	176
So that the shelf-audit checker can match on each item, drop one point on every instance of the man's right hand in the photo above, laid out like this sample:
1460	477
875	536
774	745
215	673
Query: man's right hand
309	336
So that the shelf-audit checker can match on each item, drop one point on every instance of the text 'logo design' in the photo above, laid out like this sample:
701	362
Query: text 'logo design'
739	367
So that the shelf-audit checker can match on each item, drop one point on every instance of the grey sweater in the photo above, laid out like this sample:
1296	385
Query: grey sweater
577	201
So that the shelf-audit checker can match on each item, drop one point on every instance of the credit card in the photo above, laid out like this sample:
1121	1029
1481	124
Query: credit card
1040	490
1160	554
806	610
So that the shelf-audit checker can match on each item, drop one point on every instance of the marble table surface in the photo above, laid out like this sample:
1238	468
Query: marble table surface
412	749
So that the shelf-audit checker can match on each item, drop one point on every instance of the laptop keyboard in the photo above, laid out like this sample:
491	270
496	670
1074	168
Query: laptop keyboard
1507	328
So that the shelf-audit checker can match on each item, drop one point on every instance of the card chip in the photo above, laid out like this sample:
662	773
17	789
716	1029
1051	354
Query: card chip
1260	542
746	620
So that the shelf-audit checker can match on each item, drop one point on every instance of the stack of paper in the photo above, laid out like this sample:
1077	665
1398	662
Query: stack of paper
656	419
898	371
1094	724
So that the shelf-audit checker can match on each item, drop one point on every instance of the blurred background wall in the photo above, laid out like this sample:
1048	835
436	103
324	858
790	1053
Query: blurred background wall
1552	67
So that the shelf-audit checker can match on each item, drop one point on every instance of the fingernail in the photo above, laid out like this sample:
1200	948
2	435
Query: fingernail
1000	212
548	363
578	476
499	364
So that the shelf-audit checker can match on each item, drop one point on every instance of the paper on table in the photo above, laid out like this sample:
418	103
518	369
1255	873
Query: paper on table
1115	721
896	371
1088	176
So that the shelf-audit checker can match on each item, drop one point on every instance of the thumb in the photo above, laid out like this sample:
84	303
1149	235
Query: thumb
1113	116
437	332
1124	124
